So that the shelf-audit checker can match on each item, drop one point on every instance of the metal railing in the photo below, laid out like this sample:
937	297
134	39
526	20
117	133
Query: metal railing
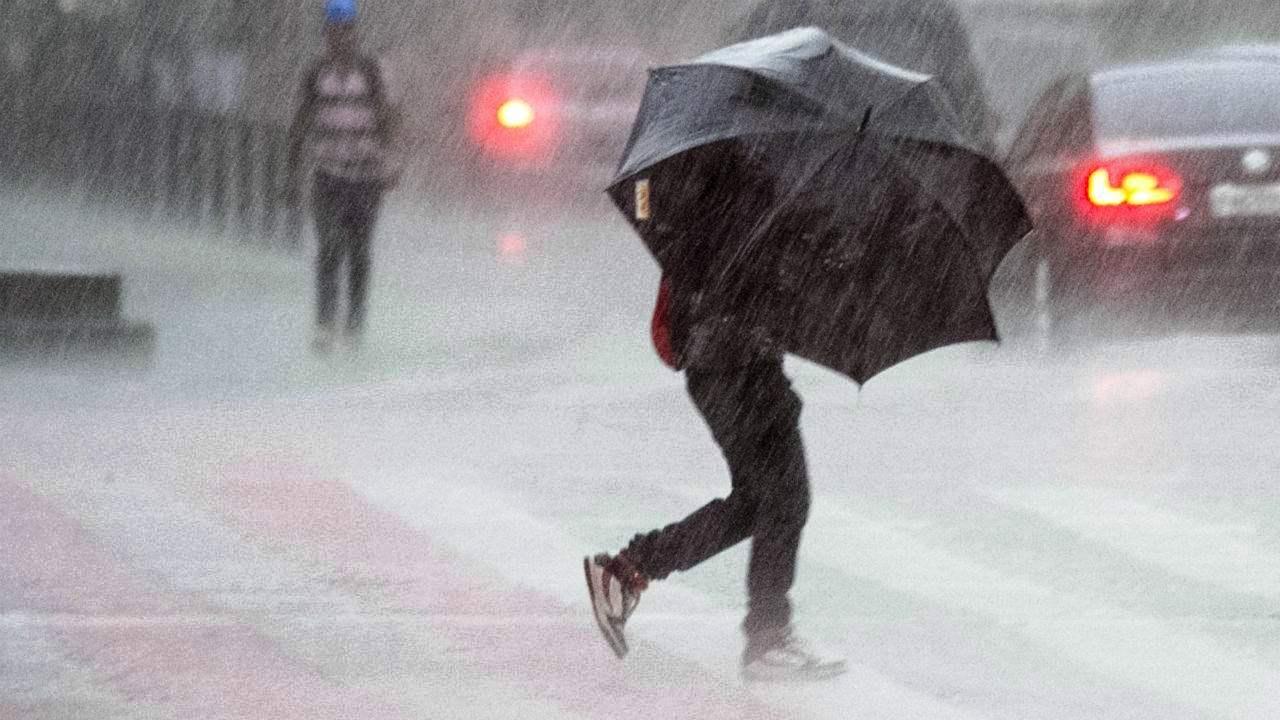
221	175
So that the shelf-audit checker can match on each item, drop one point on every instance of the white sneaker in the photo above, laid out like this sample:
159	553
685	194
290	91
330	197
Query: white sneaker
612	599
792	659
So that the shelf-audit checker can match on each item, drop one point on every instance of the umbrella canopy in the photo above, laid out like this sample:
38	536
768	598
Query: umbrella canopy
797	81
827	200
927	36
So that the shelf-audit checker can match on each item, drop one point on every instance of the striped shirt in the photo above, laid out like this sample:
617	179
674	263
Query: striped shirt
350	116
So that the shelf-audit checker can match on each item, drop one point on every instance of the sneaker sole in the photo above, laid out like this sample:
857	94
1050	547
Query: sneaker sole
616	642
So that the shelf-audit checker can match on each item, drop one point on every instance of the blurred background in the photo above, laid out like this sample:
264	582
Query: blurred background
224	71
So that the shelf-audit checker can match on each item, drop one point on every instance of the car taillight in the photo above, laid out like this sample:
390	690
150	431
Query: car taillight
512	117
1127	193
515	114
1138	188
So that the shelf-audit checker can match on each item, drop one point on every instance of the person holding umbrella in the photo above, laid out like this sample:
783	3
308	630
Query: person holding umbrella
704	325
799	197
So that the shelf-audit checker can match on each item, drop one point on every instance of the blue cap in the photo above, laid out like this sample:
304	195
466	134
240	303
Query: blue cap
339	11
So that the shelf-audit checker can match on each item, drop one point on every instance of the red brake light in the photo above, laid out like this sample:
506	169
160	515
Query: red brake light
1138	188
512	117
1130	192
516	113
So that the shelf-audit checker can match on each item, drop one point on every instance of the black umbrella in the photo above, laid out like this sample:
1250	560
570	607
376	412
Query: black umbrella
834	197
924	35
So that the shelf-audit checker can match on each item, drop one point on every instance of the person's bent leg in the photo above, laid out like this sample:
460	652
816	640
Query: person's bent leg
721	523
615	582
680	546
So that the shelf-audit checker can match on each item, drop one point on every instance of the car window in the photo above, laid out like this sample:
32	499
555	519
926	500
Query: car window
1024	143
1073	132
1058	122
1187	100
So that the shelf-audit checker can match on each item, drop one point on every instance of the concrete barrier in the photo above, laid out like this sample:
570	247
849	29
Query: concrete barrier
56	312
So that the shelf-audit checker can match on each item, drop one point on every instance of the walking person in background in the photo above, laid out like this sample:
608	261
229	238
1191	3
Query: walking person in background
704	324
346	125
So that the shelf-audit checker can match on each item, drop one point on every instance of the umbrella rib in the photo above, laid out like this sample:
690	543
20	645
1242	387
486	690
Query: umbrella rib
971	253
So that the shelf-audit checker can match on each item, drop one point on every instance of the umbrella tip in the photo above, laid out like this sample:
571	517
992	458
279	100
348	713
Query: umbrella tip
866	120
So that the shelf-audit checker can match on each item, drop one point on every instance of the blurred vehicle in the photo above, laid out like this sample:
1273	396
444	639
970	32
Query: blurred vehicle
1156	188
927	36
555	118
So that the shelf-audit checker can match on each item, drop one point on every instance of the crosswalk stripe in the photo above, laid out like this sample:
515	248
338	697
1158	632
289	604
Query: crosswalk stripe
305	606
1143	651
452	508
338	527
1230	556
56	565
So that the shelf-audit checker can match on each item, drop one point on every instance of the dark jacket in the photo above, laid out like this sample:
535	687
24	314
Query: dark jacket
706	221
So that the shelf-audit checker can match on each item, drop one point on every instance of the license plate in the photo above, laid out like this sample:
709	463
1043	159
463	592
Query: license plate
1232	201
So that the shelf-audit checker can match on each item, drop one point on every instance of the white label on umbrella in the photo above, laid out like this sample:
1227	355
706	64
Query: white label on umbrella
643	211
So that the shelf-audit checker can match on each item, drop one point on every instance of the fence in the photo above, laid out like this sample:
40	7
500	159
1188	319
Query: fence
219	174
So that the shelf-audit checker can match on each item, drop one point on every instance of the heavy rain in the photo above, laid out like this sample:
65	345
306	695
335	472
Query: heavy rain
894	359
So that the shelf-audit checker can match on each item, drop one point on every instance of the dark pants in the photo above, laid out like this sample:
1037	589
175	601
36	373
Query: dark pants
754	416
345	213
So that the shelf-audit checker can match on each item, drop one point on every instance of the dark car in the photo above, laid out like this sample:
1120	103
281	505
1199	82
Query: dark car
1156	188
927	36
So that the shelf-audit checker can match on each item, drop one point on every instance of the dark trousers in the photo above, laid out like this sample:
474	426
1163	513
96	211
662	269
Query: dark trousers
345	213
754	416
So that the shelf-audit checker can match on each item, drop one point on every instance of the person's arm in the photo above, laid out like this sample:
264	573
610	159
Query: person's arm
303	118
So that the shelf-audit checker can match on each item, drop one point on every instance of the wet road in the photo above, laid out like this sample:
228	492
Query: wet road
245	531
